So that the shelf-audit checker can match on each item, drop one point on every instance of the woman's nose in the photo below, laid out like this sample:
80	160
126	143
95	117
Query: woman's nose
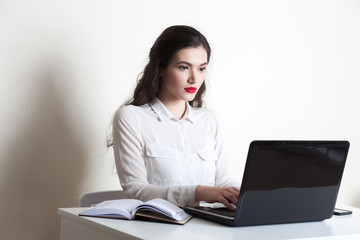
192	77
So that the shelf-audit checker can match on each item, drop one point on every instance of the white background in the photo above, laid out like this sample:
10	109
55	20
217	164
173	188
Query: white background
279	70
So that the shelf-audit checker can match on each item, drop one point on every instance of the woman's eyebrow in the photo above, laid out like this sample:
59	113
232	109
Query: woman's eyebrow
187	63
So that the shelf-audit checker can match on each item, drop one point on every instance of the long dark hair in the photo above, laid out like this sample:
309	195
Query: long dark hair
170	41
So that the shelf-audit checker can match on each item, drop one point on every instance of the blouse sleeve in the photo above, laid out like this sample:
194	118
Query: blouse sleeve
129	159
223	176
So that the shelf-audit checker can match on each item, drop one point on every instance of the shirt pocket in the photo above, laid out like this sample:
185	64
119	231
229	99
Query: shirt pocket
207	160
164	165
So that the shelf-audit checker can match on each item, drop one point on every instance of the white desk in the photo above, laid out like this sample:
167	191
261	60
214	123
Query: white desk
75	227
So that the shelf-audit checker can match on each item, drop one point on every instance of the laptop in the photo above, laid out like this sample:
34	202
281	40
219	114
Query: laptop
285	182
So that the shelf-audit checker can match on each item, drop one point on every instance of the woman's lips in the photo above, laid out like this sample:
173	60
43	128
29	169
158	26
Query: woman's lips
191	89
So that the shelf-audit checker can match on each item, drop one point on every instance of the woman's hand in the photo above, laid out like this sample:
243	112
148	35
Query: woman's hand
225	195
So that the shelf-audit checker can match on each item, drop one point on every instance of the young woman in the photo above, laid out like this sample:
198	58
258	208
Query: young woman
166	145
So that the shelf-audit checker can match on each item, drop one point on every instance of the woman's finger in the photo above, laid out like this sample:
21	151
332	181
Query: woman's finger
224	201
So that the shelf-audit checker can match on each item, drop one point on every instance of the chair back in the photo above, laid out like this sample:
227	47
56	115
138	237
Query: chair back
87	199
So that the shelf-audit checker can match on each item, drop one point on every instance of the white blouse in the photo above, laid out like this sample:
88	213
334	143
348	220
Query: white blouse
158	155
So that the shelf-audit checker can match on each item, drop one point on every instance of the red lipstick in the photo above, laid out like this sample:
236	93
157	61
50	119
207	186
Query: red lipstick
191	89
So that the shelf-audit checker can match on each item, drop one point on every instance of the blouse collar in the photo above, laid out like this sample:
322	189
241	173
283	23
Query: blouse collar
163	113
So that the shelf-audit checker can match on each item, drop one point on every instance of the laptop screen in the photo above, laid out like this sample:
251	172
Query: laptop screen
294	164
291	181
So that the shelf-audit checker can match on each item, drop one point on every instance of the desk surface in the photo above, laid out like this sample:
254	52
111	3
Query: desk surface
338	227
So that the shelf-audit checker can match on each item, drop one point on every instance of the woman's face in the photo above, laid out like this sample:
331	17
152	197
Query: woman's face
184	75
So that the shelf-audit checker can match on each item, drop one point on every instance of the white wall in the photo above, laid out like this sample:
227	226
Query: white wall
280	70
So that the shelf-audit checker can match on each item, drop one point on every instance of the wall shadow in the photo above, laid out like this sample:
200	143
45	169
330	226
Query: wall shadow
45	164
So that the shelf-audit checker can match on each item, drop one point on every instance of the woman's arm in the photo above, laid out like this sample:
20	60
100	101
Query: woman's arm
226	188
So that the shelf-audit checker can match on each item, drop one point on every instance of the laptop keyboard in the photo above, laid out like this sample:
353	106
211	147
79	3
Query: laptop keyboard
221	211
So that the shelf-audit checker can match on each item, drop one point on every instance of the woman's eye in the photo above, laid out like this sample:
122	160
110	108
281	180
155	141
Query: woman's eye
183	67
202	69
